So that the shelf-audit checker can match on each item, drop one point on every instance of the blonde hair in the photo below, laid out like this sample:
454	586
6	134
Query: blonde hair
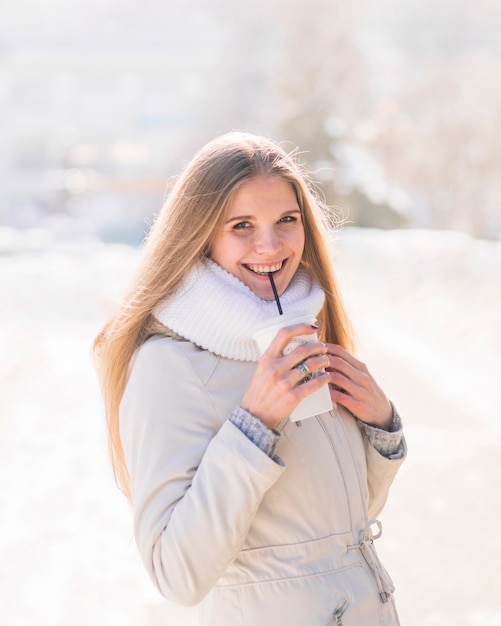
182	235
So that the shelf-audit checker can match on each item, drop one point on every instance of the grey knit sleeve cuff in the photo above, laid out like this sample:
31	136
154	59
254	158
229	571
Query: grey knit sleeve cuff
386	442
253	428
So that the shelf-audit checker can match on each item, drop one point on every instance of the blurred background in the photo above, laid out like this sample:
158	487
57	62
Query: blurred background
396	105
396	108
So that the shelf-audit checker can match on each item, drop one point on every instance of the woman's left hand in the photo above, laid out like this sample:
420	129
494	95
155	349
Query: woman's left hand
353	387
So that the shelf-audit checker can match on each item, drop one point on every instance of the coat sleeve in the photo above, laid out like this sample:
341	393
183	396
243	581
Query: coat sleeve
381	471
196	479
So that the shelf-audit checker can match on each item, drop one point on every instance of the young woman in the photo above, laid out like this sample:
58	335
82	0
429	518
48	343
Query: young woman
258	519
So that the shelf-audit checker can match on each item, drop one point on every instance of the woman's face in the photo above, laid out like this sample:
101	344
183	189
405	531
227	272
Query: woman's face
263	232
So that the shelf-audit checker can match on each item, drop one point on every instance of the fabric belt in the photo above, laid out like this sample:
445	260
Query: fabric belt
366	547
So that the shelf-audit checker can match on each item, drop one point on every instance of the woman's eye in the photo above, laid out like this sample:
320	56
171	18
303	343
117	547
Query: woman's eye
287	218
241	225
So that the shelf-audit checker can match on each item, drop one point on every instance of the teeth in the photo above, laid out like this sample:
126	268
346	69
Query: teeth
265	269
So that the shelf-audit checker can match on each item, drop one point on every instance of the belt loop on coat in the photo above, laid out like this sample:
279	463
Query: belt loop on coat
366	546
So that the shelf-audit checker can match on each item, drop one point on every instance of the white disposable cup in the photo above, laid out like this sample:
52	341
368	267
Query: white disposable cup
320	400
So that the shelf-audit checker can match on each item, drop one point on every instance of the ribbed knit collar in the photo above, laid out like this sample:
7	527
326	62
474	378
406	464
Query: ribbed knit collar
216	311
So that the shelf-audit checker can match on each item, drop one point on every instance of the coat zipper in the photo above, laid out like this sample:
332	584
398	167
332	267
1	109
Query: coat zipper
357	472
322	426
337	615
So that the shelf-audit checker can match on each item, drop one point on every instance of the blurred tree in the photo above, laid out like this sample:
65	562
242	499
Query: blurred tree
441	136
443	144
455	152
320	73
321	86
418	99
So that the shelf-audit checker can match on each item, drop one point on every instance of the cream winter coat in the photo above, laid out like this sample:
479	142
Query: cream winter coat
218	522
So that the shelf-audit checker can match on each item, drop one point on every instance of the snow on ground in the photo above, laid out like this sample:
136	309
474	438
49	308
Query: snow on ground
433	300
427	311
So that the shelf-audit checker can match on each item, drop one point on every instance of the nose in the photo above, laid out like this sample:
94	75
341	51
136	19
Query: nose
267	242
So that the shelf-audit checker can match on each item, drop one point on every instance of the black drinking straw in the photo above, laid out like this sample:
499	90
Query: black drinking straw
277	299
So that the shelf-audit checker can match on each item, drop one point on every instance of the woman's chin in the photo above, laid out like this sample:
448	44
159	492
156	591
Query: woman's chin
262	293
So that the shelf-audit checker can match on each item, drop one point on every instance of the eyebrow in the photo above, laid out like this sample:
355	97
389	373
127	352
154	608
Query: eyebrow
242	218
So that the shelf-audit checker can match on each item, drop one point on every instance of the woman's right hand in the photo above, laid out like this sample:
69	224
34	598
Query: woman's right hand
276	387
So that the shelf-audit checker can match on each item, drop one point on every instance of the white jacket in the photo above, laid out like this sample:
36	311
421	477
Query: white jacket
218	522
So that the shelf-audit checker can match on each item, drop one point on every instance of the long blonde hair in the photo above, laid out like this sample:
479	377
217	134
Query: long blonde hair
182	235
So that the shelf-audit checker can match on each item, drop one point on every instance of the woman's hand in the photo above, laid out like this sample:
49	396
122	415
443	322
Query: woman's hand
353	387
276	387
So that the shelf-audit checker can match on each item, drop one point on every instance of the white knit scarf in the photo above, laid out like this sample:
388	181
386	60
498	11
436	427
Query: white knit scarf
216	311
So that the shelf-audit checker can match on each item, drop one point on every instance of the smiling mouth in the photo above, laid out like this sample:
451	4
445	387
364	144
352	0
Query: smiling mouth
264	270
